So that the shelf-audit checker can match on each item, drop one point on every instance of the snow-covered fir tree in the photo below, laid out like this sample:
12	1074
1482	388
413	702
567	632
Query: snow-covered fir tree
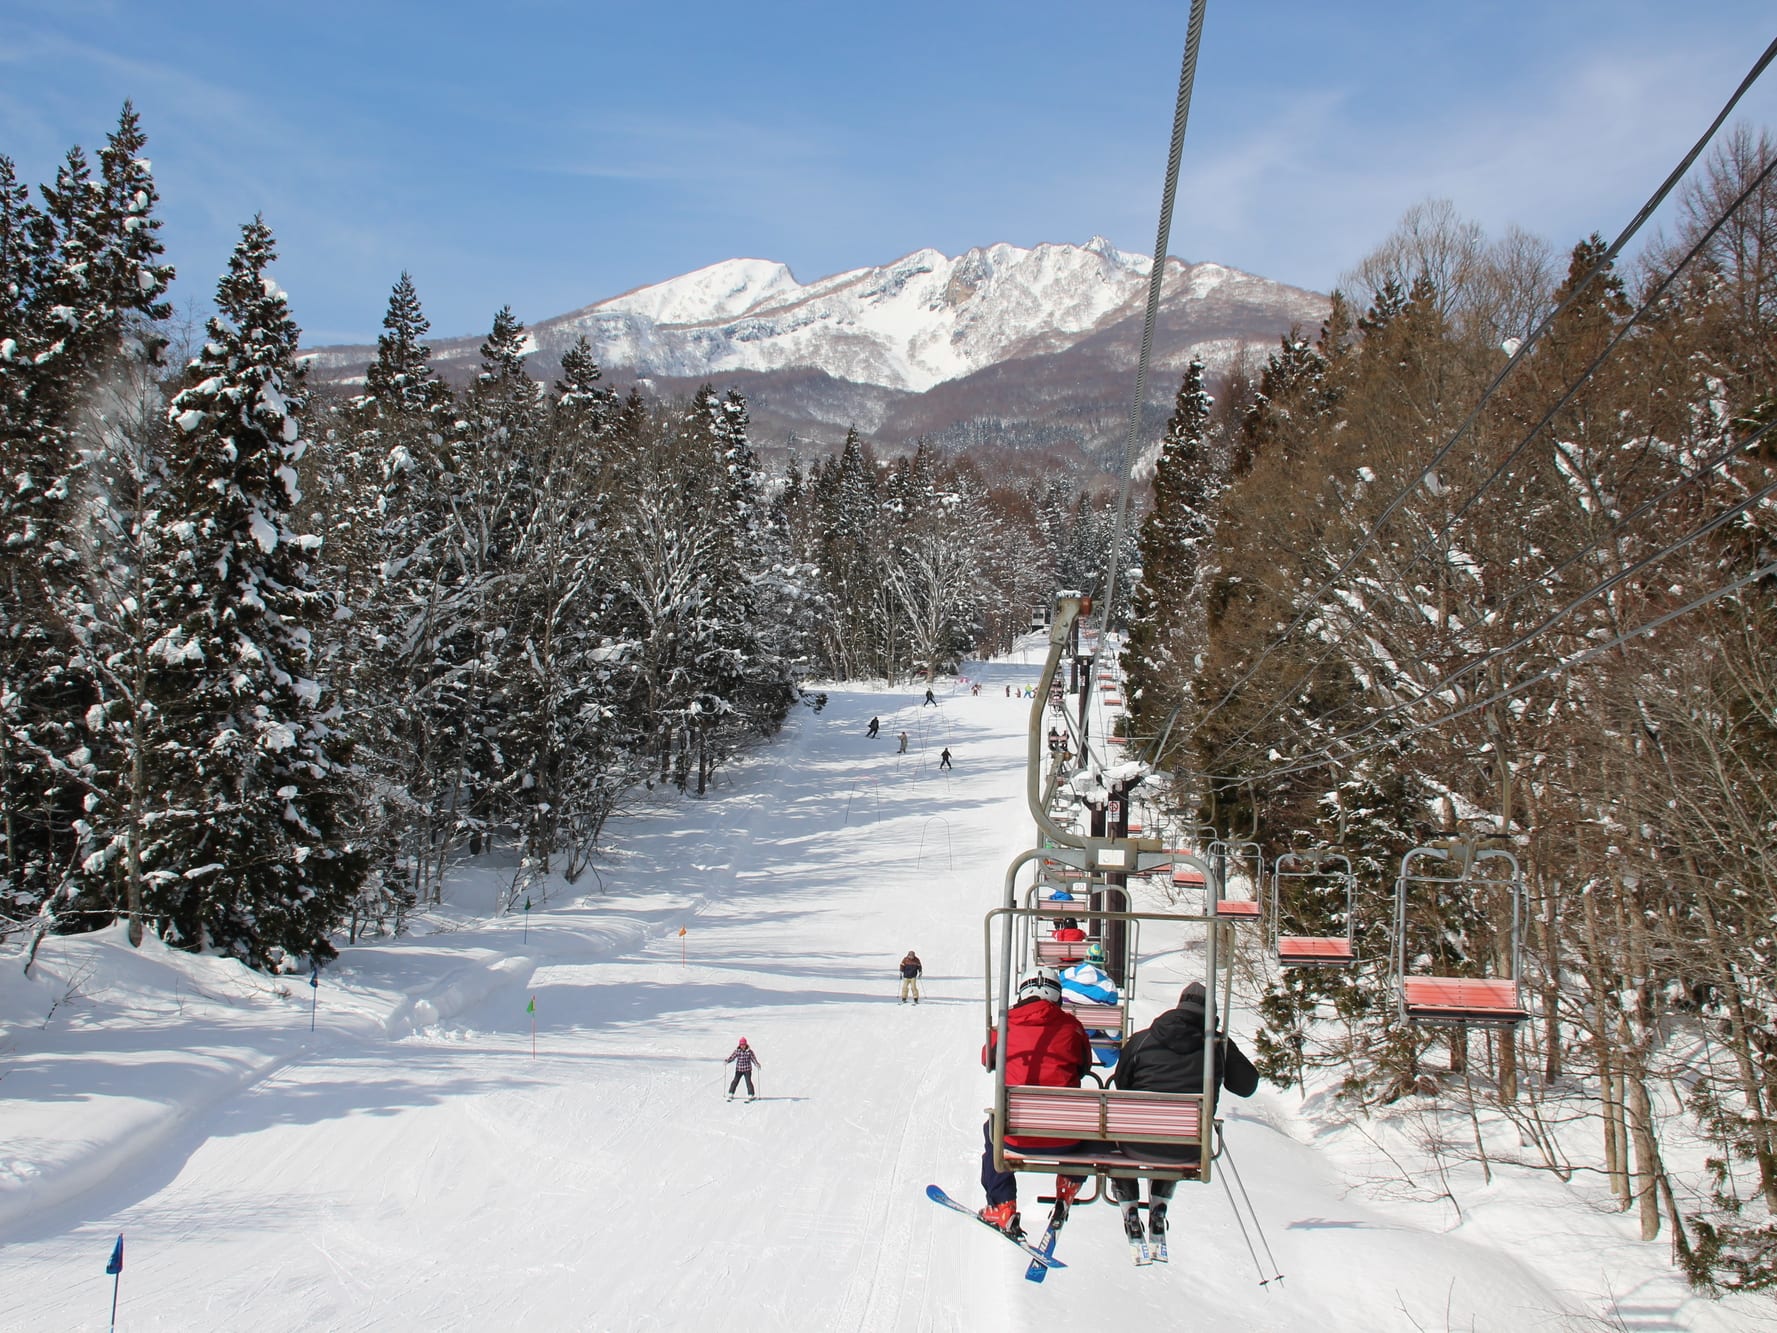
1164	630
246	858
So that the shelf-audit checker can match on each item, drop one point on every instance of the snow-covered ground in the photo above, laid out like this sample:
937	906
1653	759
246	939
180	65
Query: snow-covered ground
411	1164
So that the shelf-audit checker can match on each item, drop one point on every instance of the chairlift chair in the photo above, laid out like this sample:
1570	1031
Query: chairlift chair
1460	870
1302	869
1222	852
1099	1119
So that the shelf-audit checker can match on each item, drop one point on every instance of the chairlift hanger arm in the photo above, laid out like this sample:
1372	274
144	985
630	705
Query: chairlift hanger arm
1067	611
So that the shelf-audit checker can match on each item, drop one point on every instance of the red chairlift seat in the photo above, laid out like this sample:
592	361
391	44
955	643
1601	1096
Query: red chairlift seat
1060	906
1187	877
1061	953
1478	1000
1312	950
1237	909
1103	1117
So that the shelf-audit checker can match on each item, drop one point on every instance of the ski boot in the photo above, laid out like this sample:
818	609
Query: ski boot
1003	1217
1132	1226
1066	1188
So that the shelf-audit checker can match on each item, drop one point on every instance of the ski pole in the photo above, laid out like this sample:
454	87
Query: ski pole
1257	1228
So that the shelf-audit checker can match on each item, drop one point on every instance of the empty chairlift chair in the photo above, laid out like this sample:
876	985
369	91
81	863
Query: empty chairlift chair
1451	892
1249	861
1301	883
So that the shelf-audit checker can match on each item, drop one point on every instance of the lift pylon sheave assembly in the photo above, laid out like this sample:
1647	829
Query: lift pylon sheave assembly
1293	876
1464	873
1094	1121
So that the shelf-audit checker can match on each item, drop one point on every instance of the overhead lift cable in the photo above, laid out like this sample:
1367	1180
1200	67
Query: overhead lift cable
1163	238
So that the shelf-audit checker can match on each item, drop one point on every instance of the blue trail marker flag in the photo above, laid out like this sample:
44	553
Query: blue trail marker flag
116	1264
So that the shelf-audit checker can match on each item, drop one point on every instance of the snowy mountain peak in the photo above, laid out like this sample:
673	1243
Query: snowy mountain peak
922	320
722	291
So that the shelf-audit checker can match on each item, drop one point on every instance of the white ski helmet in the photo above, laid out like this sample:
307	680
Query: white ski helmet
1042	984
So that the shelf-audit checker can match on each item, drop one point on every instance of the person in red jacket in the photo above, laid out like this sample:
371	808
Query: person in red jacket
1045	1047
1068	931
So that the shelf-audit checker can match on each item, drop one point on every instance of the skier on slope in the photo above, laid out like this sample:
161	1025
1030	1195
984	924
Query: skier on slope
911	968
944	758
930	697
874	727
1046	1047
743	1059
1168	1057
902	737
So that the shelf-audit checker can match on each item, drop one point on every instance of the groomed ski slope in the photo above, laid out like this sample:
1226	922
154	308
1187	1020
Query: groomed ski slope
411	1164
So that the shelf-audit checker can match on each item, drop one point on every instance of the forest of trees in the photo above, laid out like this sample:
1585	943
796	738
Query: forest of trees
1492	556
1391	594
272	663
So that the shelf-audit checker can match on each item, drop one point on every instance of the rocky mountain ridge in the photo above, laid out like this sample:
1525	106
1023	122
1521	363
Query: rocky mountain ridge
996	346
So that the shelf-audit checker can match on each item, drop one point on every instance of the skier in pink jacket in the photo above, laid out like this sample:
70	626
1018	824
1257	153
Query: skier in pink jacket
743	1059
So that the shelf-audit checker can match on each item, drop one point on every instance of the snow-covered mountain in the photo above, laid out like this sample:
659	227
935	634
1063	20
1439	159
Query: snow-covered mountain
1006	333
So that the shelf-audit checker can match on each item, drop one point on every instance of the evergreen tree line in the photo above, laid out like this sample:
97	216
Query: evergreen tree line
272	661
1479	649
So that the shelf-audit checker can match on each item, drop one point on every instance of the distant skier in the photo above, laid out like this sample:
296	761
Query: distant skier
743	1061
944	758
903	739
1054	740
875	726
930	697
911	968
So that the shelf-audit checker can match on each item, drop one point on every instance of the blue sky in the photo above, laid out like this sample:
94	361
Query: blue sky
550	153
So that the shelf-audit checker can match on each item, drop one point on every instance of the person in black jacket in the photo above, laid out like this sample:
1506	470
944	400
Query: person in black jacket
1168	1057
911	968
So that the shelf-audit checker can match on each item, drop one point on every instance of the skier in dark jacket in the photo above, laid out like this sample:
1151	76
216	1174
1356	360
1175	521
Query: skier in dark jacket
1168	1057
743	1060
911	968
874	727
930	697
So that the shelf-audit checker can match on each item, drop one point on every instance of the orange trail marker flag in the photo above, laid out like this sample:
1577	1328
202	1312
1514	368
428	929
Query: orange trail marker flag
681	946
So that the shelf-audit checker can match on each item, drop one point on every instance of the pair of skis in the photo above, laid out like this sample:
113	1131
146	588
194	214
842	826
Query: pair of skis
1145	1249
1042	1254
